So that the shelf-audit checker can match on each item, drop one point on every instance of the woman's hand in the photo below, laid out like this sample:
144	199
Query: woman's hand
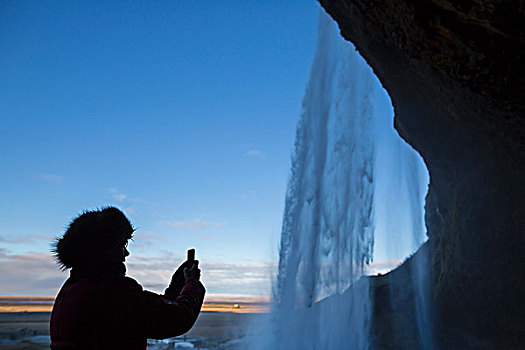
177	280
193	272
178	277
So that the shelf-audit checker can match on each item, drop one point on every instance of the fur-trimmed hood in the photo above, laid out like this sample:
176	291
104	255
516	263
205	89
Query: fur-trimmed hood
90	236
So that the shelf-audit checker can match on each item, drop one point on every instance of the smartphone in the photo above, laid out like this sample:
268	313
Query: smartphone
191	254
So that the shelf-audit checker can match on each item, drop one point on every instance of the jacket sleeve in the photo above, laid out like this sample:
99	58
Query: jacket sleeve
164	318
154	316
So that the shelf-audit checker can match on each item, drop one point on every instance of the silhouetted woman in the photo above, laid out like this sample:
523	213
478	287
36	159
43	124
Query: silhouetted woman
98	307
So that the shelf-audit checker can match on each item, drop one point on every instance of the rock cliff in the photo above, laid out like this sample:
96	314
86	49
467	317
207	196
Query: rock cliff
455	71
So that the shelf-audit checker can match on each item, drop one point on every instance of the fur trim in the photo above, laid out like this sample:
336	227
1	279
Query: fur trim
90	236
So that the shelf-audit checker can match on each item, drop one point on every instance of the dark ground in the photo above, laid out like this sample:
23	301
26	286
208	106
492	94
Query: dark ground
30	330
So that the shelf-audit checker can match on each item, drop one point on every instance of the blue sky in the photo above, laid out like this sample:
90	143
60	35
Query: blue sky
181	113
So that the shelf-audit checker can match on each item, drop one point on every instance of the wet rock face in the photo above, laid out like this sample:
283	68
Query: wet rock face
459	38
455	71
449	47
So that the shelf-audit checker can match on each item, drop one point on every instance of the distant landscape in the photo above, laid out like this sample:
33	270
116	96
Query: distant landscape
24	323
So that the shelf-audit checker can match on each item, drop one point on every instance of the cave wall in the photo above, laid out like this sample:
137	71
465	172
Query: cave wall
455	71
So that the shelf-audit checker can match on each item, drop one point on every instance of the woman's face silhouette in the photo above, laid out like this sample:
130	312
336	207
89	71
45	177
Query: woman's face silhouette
119	254
125	251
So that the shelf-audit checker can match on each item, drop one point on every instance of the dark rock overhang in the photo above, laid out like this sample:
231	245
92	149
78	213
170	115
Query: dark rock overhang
455	71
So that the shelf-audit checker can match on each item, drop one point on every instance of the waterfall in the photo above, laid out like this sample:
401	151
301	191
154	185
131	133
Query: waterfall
354	204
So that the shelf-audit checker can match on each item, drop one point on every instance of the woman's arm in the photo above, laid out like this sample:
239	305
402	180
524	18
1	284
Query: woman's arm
138	312
163	318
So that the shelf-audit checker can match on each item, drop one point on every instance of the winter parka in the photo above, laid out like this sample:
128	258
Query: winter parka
114	312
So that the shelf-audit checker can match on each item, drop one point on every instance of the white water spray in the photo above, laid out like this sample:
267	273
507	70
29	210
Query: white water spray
354	204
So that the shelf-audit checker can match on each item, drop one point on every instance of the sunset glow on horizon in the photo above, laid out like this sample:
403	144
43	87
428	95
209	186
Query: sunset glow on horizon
13	303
